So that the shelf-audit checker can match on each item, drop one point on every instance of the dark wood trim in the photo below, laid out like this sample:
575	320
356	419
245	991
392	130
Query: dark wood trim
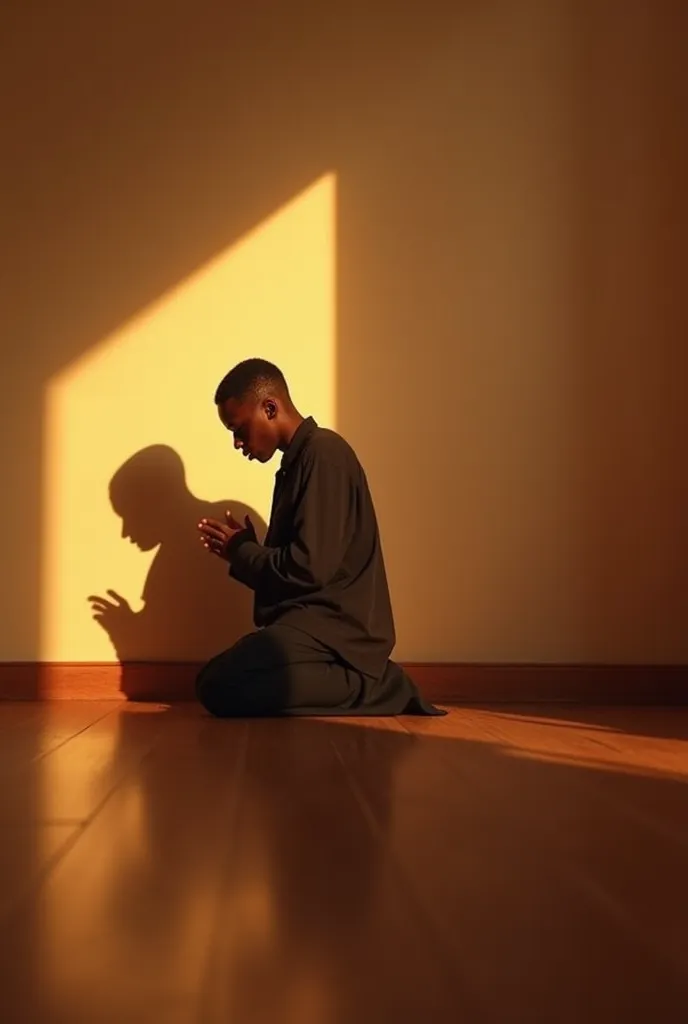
440	682
546	683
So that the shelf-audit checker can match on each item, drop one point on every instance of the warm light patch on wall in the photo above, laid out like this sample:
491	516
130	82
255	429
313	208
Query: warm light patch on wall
152	383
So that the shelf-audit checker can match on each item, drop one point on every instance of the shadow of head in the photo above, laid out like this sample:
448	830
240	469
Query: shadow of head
150	495
191	609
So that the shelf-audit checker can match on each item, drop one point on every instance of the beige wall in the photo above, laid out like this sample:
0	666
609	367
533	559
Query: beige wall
510	328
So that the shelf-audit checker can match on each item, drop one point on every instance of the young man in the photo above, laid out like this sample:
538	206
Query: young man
321	600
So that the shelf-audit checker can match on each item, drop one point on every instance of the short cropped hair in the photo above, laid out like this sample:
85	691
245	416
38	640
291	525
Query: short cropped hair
252	378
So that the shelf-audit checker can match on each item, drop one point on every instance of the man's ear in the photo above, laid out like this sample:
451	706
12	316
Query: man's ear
270	409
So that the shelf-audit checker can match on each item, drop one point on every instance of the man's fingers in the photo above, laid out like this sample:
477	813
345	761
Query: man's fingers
212	545
215	536
212	529
210	524
231	521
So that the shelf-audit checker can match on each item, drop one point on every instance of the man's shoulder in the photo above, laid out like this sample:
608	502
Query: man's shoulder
324	442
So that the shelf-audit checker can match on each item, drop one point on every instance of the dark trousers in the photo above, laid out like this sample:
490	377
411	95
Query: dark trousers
277	670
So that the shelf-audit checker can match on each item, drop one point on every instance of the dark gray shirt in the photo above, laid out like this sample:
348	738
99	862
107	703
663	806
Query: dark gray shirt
321	567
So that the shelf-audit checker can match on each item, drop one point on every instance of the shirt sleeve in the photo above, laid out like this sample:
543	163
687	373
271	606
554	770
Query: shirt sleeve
322	529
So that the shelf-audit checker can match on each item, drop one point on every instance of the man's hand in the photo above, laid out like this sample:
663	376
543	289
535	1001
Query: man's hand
216	536
234	525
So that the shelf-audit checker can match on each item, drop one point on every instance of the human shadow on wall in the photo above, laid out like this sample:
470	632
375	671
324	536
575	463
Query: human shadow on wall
192	609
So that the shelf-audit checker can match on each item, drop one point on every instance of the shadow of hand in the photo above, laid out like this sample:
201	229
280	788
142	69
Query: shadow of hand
115	616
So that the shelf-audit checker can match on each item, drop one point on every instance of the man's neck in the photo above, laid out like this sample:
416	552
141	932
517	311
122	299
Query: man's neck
291	425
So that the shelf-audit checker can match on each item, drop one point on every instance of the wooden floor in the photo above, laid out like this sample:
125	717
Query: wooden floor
500	865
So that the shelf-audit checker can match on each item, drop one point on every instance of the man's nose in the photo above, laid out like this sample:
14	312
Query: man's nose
238	443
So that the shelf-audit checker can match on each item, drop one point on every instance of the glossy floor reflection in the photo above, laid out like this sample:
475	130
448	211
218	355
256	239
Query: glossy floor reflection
497	865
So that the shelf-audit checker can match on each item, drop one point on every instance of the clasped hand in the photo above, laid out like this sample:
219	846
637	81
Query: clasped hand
216	536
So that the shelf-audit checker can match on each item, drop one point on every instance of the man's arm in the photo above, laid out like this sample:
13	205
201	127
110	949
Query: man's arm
321	533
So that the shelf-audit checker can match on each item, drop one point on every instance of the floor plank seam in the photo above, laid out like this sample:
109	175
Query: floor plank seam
47	753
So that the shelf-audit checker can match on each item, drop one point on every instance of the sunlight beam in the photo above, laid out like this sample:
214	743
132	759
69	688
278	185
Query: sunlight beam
152	382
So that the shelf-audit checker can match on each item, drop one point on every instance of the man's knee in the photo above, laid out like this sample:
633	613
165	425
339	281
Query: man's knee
213	687
246	680
220	668
222	683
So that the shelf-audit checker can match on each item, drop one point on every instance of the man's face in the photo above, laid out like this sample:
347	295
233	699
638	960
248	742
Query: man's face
253	425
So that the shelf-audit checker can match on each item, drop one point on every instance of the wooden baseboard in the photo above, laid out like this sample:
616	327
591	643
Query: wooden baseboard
168	682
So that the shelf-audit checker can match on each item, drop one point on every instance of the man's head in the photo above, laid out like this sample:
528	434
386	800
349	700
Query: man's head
253	403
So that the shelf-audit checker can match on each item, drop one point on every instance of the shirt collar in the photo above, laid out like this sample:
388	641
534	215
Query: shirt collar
303	432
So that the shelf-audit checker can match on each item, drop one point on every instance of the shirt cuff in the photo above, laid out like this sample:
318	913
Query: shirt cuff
237	541
242	551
